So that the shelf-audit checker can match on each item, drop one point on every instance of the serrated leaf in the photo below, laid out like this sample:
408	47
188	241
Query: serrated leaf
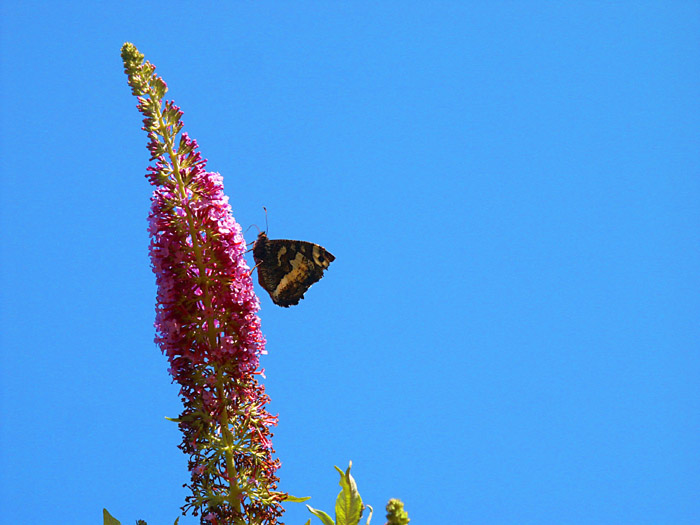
348	505
296	499
325	518
108	519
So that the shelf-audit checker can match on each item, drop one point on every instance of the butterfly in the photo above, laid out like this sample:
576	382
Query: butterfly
287	269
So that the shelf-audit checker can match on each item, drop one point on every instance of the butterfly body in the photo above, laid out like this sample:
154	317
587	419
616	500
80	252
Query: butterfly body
287	269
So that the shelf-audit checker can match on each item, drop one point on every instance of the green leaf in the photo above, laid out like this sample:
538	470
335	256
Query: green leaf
308	523
325	518
296	499
348	505
108	519
177	520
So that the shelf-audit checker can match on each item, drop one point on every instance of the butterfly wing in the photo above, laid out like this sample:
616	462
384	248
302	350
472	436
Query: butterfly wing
286	268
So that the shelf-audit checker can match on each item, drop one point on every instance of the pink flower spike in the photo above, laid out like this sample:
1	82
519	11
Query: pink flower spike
206	319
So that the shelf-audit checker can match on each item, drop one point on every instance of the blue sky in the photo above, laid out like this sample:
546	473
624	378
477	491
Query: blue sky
509	333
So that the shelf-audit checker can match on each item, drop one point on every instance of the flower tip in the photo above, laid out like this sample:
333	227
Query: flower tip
130	54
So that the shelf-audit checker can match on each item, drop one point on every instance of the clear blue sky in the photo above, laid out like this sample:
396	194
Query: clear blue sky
509	333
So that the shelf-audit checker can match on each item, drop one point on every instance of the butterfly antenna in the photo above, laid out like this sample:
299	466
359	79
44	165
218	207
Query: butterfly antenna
266	226
246	231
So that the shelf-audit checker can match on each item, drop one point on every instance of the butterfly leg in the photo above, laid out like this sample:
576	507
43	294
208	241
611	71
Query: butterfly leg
253	268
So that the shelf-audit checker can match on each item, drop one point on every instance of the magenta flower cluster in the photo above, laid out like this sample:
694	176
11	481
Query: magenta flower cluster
206	320
206	307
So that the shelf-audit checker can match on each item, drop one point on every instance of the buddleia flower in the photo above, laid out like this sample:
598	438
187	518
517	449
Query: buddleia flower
395	514
206	319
